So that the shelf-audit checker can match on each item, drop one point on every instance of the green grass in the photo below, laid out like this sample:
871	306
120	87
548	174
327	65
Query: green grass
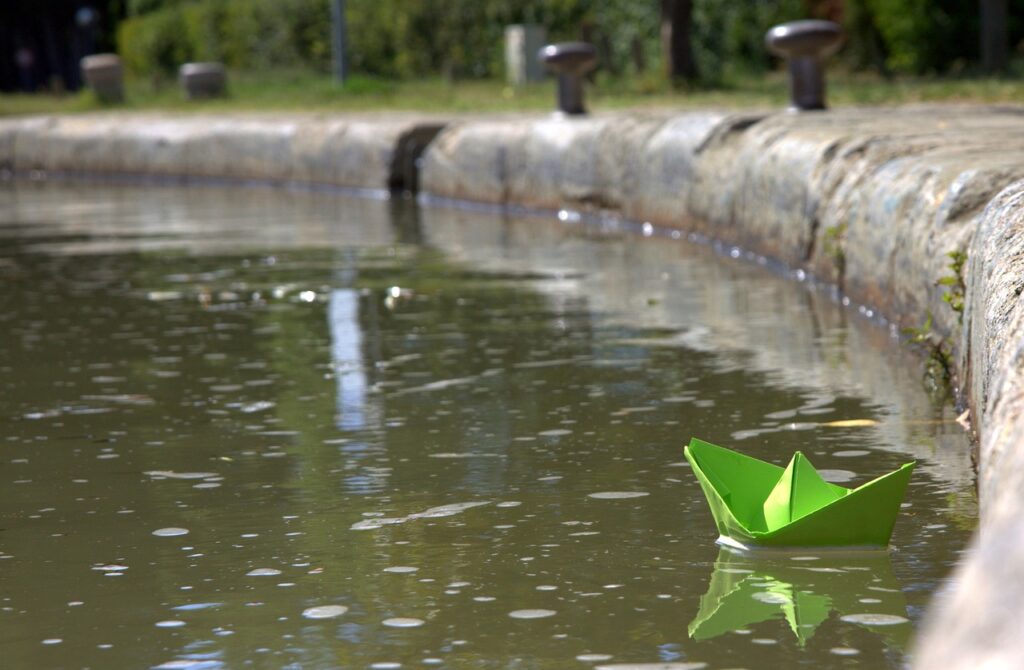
290	91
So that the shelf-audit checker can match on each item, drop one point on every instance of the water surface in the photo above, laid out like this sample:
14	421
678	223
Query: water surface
266	429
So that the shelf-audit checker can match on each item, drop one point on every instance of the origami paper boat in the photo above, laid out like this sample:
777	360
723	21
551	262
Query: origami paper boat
744	592
760	504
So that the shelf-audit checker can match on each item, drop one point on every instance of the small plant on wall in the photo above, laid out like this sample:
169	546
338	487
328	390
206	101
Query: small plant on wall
939	366
954	283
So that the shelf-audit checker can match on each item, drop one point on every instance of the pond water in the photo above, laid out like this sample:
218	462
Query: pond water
244	428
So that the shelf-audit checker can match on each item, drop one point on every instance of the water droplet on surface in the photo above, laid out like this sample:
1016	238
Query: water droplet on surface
403	622
191	607
593	657
258	406
531	614
617	495
170	623
771	598
401	569
263	572
692	665
869	619
324	611
190	664
170	532
52	640
170	474
844	651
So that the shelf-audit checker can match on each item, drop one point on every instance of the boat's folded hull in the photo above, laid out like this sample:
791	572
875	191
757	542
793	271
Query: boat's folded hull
862	517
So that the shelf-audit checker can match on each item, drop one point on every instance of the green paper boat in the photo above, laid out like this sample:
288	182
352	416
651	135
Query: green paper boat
760	504
746	590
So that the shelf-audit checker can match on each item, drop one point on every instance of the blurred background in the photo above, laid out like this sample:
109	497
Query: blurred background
646	47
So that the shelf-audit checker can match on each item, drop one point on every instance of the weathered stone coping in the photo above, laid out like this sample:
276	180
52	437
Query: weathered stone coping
358	153
871	199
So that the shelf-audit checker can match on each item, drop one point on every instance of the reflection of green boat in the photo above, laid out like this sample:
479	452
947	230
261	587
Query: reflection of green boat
758	503
746	590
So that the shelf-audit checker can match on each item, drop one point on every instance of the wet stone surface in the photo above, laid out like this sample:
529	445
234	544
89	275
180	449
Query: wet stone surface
286	430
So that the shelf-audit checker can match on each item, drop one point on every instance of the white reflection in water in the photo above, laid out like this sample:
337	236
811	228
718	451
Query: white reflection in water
346	355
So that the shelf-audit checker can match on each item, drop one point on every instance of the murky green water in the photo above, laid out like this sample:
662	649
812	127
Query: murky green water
402	437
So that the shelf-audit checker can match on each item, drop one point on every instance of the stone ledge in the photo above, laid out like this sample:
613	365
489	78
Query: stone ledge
347	152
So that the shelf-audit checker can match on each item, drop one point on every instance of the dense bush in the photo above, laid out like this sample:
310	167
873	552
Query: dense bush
926	35
249	34
730	35
155	43
405	38
463	38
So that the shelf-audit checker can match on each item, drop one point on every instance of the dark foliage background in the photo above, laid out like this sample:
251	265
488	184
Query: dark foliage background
463	38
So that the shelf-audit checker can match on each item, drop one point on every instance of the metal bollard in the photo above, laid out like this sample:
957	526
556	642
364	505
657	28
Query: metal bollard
805	45
570	61
104	75
203	80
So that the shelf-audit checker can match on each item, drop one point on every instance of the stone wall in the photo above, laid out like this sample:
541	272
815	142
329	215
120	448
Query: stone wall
978	622
872	200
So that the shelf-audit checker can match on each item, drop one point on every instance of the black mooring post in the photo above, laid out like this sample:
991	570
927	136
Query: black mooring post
805	45
571	61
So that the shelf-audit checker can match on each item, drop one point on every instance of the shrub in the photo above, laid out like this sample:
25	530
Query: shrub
242	33
463	38
154	44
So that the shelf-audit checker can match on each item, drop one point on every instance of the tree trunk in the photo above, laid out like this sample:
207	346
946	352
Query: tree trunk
676	46
994	42
636	49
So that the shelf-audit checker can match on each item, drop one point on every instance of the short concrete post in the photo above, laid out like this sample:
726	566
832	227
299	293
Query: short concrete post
522	41
203	80
104	75
805	45
570	61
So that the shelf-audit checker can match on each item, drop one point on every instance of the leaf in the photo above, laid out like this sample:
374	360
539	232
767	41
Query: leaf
851	423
